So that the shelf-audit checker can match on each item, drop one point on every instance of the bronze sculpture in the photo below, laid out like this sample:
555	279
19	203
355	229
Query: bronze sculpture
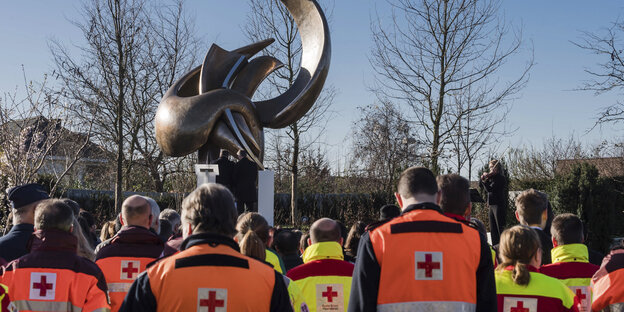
210	107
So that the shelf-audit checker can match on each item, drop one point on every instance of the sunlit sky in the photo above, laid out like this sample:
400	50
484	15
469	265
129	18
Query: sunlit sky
547	107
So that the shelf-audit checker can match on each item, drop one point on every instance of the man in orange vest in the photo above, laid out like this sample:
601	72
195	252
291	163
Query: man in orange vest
209	273
324	277
570	258
52	277
124	256
422	260
607	284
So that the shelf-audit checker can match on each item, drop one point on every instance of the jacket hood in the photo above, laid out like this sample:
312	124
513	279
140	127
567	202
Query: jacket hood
56	240
323	250
570	253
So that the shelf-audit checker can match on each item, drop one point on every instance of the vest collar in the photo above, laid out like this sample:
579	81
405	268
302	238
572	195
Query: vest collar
570	253
324	250
455	216
210	239
53	240
422	206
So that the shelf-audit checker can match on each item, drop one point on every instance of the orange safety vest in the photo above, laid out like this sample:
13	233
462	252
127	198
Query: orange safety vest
124	257
422	254
53	278
608	283
209	274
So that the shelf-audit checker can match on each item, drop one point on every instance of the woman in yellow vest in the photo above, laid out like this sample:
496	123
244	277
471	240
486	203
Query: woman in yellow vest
519	285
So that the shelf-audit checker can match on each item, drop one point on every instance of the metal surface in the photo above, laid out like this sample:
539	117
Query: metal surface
210	107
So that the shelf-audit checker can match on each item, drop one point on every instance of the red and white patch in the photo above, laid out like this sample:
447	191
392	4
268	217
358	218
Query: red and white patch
516	304
583	293
211	300
42	286
329	297
130	269
429	265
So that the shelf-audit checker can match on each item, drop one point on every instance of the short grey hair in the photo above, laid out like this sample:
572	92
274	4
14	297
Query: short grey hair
170	215
53	214
155	213
210	208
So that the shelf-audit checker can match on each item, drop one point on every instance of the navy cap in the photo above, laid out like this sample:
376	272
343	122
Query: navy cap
26	194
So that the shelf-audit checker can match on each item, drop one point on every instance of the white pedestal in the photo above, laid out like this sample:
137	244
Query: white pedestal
266	194
206	173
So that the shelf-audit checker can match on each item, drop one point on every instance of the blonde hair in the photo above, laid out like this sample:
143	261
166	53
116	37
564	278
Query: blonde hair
252	246
518	246
253	234
496	165
108	230
84	248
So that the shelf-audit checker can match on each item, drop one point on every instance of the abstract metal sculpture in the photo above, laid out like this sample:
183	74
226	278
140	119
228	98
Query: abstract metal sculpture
210	107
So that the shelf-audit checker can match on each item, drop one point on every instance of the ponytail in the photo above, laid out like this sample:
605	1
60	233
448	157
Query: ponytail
520	274
252	246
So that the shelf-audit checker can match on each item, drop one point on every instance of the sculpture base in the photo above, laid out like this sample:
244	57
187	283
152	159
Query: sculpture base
266	194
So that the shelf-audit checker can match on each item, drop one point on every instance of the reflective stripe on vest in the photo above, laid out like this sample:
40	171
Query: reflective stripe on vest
427	306
423	249
119	287
52	306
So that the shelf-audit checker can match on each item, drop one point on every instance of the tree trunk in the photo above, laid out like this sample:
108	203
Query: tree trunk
294	174
120	106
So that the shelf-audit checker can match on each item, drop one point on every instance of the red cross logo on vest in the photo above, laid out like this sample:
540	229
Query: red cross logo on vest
211	300
329	297
583	293
130	269
513	304
429	265
42	285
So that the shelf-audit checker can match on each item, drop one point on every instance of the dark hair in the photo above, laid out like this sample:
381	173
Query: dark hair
566	229
353	240
389	211
455	193
87	216
343	230
73	205
417	180
165	230
286	241
53	214
210	208
531	204
303	242
518	245
325	230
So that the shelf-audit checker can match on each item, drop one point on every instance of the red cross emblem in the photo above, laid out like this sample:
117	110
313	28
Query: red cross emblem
42	285
515	304
329	297
211	300
429	265
130	269
582	293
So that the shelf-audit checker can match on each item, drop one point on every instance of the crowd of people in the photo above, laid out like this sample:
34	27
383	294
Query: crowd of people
425	254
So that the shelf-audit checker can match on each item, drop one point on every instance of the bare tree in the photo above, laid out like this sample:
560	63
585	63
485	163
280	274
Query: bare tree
384	144
608	75
434	50
476	130
270	19
36	135
133	51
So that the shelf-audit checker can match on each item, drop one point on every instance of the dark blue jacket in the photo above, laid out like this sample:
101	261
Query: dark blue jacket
13	245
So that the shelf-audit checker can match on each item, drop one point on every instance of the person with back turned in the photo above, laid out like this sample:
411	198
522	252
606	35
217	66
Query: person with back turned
209	273
422	260
244	183
52	277
123	257
23	200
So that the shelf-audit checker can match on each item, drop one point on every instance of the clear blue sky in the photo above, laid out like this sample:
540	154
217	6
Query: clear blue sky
546	107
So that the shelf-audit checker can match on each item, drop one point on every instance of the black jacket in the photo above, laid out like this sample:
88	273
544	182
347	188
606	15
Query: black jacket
245	176
367	272
226	171
546	241
13	245
495	186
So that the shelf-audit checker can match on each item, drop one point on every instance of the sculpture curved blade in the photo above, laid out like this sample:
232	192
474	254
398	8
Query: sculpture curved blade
210	106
